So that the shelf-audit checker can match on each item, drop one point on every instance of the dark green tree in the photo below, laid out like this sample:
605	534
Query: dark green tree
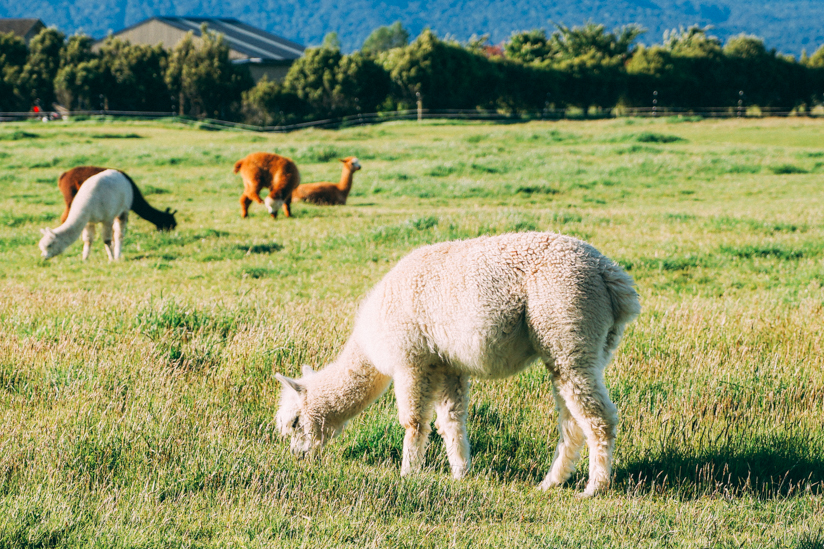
331	41
446	75
816	60
134	76
593	41
692	42
13	53
269	104
80	75
42	64
204	79
528	46
332	84
746	46
386	38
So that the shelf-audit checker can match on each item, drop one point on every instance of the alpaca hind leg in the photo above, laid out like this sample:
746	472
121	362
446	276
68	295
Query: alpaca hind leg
107	238
451	423
119	232
587	399
568	451
415	390
287	209
244	205
88	238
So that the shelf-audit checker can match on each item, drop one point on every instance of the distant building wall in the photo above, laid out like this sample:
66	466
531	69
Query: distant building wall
274	73
157	32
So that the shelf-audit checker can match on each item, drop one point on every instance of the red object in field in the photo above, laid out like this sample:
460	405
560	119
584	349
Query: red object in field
36	108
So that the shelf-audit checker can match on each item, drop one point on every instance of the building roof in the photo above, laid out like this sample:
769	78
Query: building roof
20	27
243	38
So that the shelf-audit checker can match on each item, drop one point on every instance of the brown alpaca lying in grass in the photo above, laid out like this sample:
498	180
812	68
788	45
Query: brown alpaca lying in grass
329	193
278	173
70	181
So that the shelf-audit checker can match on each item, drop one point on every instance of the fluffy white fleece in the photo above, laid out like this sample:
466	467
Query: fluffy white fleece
483	308
105	198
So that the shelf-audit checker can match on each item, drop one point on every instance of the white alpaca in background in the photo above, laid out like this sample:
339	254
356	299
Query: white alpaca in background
104	198
485	307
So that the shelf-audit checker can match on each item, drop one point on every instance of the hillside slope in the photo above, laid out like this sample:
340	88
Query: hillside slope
787	25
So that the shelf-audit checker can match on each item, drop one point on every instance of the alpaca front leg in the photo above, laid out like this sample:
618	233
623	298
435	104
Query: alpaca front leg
88	238
107	239
119	232
272	205
414	393
568	452
451	423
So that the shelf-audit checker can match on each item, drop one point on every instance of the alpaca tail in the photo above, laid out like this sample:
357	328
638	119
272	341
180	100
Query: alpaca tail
624	299
238	165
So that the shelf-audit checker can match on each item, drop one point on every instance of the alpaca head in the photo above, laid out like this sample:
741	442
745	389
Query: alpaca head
295	418
167	220
49	244
352	162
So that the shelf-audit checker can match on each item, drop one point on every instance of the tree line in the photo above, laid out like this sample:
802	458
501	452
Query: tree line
586	67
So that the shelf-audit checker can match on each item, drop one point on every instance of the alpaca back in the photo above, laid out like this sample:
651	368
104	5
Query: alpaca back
269	170
70	182
489	305
101	198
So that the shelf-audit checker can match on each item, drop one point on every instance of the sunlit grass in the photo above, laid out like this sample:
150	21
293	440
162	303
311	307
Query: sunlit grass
138	398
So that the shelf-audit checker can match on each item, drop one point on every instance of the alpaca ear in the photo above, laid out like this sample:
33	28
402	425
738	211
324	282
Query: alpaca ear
342	160
174	212
307	370
168	210
291	383
44	232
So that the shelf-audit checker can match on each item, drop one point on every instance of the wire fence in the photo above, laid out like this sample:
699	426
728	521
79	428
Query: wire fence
429	114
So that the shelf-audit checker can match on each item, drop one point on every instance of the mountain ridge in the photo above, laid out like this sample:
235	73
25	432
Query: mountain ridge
789	26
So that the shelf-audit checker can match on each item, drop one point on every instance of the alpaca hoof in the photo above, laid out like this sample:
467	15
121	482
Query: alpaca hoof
460	473
549	485
592	490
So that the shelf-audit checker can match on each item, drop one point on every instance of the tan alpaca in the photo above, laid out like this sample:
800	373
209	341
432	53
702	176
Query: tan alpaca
486	307
330	194
261	170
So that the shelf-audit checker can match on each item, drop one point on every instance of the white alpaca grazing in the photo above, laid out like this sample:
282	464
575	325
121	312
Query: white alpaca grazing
485	307
104	198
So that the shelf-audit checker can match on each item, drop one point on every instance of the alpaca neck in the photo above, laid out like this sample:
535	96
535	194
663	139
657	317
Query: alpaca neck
146	211
344	388
70	230
345	184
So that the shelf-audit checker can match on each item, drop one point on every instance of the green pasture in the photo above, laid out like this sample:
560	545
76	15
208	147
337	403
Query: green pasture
137	398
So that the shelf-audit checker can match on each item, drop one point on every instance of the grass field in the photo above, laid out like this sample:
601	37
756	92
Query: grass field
137	399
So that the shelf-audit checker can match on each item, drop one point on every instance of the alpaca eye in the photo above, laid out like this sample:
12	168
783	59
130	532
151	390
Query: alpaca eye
295	423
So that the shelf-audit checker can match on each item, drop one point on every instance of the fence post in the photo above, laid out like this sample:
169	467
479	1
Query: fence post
655	103
420	106
740	102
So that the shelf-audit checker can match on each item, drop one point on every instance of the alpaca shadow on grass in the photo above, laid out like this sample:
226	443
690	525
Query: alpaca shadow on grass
780	467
